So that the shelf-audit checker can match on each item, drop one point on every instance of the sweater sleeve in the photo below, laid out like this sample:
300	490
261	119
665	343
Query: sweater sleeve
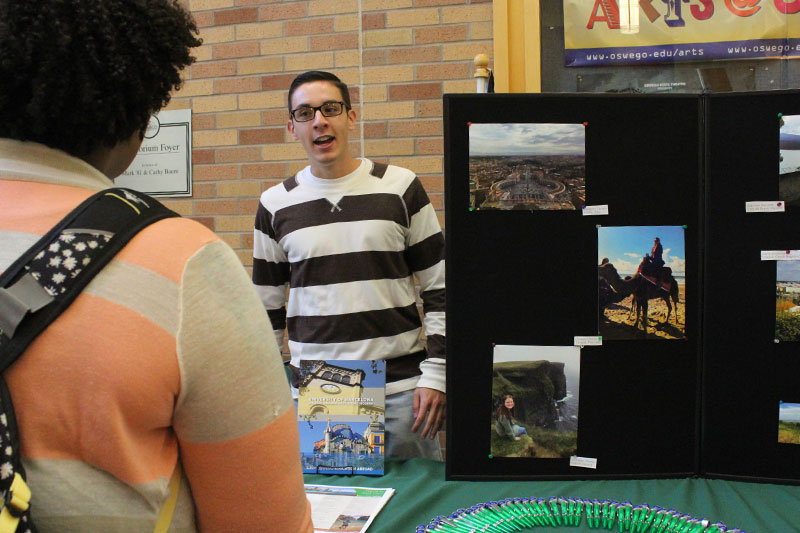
425	254
234	417
270	271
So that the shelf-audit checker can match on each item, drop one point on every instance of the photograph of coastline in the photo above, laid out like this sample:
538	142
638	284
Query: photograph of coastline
641	278
789	175
788	423
535	401
527	166
787	301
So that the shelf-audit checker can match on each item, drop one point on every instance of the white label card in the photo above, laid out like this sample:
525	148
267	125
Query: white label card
163	165
589	210
583	462
588	340
774	206
780	255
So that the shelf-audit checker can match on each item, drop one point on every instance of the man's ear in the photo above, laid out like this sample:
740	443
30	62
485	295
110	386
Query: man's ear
290	128
351	119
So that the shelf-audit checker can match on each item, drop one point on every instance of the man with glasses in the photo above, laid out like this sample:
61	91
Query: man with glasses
348	236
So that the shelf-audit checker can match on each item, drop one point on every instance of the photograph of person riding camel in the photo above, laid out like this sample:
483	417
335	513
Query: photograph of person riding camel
641	279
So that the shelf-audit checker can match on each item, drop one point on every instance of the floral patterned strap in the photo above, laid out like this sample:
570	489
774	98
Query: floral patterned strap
62	261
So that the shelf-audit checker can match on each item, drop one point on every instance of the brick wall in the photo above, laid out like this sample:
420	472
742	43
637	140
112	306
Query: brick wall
398	57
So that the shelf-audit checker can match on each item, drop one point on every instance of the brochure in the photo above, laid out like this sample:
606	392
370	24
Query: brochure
345	508
341	414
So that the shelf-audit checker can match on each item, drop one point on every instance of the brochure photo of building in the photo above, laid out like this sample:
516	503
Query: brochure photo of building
787	301
789	158
535	401
789	423
527	166
341	416
641	278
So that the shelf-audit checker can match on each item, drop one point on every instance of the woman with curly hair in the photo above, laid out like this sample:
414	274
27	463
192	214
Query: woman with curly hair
167	358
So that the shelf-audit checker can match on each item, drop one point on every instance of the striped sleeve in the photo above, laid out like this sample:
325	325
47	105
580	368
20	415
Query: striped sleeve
425	255
234	416
270	271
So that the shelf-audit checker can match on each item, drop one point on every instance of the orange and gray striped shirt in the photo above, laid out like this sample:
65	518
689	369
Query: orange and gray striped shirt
166	356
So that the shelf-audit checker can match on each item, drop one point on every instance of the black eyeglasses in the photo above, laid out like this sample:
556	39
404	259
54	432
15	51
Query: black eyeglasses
304	113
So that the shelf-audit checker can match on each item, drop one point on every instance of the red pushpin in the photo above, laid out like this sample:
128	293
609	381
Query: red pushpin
469	124
585	123
779	204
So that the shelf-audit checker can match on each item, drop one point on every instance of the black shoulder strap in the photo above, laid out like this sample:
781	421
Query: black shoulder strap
45	280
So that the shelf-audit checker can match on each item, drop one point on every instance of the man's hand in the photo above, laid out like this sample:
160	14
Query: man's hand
430	404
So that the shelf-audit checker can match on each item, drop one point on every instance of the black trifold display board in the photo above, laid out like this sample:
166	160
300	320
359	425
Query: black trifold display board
706	404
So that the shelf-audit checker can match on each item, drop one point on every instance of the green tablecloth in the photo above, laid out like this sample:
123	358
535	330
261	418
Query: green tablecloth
422	493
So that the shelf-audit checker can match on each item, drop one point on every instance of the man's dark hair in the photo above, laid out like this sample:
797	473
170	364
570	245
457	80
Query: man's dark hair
80	74
320	75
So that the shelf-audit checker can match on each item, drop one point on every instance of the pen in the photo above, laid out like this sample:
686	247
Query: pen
578	511
649	519
541	513
497	515
505	517
609	511
461	518
592	510
553	503
523	514
536	513
476	513
570	513
624	516
673	519
439	525
546	511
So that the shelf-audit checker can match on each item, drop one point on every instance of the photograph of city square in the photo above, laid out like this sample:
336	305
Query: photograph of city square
527	166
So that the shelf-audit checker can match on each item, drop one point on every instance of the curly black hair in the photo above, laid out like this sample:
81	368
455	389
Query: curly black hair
81	74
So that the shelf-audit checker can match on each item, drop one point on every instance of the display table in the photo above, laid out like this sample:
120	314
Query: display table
422	493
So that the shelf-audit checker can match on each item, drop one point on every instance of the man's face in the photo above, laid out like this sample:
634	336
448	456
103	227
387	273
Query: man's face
323	138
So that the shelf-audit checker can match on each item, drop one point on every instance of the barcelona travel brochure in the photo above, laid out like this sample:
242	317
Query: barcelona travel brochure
341	408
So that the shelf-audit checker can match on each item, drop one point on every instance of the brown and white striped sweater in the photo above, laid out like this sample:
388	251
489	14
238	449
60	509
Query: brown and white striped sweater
349	249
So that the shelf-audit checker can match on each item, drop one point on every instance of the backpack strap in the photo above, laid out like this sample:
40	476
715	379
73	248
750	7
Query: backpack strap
45	280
